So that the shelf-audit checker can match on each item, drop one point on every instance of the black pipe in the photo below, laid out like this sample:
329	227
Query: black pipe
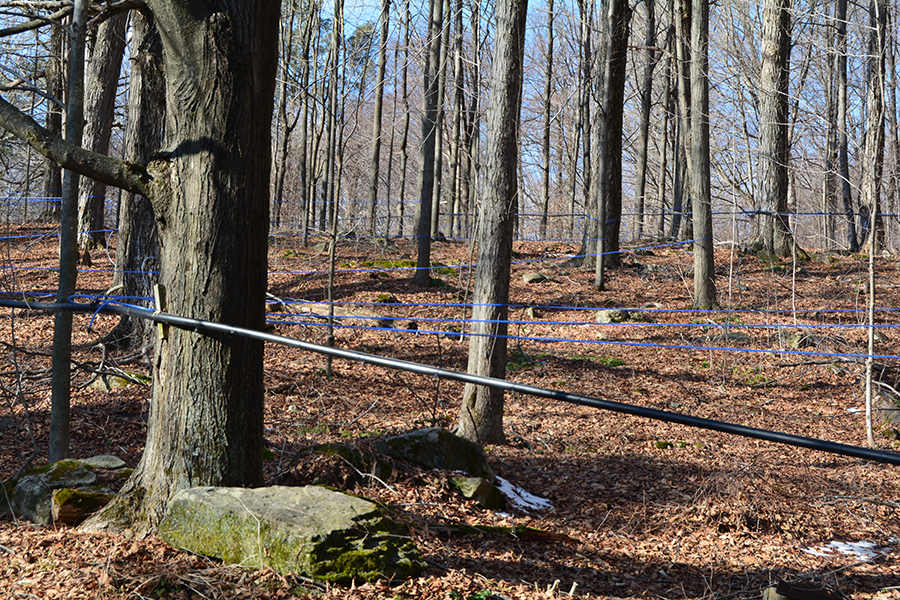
393	363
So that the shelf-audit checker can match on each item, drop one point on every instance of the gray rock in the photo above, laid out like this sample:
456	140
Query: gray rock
613	315
479	490
437	448
320	533
30	495
534	277
105	461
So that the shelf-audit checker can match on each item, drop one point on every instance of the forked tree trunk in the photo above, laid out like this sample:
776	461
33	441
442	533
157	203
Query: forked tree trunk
481	413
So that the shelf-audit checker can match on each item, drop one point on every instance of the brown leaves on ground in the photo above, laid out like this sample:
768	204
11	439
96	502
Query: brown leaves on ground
640	508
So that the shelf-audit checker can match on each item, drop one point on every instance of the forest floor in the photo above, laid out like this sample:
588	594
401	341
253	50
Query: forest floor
638	508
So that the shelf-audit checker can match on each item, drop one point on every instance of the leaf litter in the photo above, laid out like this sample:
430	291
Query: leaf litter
633	508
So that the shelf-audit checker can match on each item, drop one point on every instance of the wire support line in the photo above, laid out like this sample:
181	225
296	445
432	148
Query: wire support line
208	327
524	338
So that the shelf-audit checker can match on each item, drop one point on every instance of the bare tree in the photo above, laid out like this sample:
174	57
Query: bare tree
481	413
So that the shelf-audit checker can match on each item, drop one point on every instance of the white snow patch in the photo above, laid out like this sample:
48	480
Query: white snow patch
524	501
863	550
854	411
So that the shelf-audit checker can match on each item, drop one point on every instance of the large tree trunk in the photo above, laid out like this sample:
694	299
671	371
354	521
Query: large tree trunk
137	247
103	63
481	413
210	196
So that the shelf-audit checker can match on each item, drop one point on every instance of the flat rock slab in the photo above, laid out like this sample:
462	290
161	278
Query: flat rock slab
320	533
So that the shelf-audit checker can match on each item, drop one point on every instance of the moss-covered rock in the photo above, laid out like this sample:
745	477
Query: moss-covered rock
438	448
321	533
71	507
30	494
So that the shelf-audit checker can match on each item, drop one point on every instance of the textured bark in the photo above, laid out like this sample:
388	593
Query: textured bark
429	143
874	143
775	236
481	413
137	249
105	50
404	136
843	140
701	198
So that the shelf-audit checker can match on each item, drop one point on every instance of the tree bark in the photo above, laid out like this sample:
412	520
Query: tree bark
103	64
545	131
701	197
429	142
843	139
874	142
773	124
137	247
53	122
650	58
481	413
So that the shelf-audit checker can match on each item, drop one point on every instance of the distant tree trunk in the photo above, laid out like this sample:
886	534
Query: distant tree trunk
54	75
473	132
404	137
591	228
614	110
682	227
665	112
481	413
893	136
874	144
775	235
304	164
830	181
456	138
285	125
137	248
429	142
650	58
375	180
438	188
701	197
843	143
545	131
103	64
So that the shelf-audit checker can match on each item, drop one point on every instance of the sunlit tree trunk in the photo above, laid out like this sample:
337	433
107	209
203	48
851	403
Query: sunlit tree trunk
375	178
481	413
650	58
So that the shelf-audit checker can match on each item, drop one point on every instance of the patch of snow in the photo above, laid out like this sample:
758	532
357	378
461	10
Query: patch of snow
854	411
863	550
521	499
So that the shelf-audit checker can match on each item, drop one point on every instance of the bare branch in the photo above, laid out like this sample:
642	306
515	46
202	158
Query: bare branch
115	8
36	23
111	171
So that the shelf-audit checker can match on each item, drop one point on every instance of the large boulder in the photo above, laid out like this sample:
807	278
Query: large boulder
438	448
320	533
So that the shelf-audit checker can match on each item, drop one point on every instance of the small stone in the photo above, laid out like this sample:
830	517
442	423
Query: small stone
535	277
613	315
479	490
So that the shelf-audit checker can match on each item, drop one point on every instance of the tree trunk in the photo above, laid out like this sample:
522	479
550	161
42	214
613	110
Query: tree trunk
103	64
874	144
843	140
429	142
650	58
456	138
773	126
545	131
404	136
137	247
701	198
210	196
53	122
481	413
374	180
68	254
